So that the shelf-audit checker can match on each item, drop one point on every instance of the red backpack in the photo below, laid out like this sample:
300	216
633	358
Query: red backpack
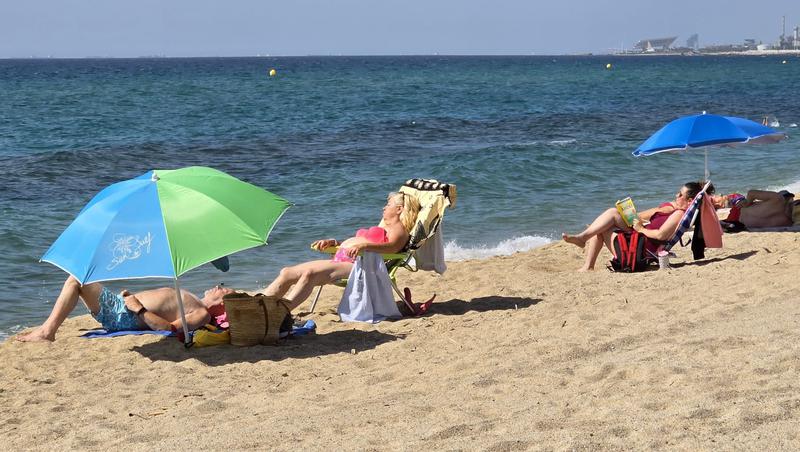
630	254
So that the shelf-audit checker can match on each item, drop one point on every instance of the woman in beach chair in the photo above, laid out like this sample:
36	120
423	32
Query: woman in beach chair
425	249
663	222
296	283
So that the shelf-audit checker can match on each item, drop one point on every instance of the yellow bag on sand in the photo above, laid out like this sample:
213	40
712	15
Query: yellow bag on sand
210	335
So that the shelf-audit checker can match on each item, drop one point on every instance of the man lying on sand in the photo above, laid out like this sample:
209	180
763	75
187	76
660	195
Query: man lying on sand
758	209
155	309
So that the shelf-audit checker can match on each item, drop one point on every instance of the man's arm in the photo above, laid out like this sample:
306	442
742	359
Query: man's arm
147	318
194	319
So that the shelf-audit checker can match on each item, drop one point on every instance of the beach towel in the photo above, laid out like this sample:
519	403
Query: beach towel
434	198
308	327
100	332
430	256
368	295
712	231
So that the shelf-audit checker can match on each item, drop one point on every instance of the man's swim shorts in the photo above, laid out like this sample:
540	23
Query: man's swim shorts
113	315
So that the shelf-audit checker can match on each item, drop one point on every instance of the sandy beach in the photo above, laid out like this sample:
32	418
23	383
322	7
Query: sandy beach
520	353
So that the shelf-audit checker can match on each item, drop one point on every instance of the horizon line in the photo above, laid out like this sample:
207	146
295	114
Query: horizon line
550	55
315	55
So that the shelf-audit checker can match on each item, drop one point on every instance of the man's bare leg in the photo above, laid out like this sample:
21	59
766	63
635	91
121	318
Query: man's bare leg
65	304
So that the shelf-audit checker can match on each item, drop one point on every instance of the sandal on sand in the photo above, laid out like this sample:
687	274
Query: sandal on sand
410	309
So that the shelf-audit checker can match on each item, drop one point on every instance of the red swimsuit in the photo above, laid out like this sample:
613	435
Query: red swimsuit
656	221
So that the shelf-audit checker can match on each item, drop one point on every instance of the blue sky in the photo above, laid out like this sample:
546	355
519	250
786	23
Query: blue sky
78	28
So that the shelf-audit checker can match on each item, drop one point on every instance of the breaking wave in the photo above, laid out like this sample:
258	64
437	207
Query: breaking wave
455	252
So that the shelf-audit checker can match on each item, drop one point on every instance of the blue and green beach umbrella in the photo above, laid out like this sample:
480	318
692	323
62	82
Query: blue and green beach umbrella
163	224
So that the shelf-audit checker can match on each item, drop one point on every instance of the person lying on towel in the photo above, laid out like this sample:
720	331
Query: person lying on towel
663	222
296	283
147	310
757	209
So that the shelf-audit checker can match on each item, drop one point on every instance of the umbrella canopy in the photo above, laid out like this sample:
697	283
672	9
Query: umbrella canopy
163	224
706	130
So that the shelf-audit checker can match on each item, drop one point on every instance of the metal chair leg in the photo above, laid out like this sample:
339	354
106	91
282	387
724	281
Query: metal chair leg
316	298
397	290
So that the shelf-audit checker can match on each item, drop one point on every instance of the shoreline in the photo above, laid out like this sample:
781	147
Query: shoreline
519	352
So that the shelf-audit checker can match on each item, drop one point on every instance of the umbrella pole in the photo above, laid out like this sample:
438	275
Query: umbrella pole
187	340
706	173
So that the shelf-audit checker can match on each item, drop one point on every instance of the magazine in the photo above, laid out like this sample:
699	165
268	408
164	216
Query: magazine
627	210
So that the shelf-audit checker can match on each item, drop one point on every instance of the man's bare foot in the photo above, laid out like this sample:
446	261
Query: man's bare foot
36	335
573	240
585	269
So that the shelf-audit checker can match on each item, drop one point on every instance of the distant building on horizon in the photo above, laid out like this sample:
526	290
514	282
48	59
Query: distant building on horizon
786	41
693	42
789	42
655	44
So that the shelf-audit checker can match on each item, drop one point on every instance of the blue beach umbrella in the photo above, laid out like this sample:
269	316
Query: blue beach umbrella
696	131
163	224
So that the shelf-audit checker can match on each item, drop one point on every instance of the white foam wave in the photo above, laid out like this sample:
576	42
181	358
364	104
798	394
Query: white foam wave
562	142
523	144
455	252
794	187
5	334
517	144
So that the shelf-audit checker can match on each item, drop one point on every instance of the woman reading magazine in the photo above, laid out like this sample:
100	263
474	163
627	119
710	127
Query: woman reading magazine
657	224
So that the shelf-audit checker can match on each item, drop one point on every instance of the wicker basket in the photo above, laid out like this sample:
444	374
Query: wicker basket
254	319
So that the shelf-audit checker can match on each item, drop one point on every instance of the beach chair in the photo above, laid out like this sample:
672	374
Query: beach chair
688	221
434	198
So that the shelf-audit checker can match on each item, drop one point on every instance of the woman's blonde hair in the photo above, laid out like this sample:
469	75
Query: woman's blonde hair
410	205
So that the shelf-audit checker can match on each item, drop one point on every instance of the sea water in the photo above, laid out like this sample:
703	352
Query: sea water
536	145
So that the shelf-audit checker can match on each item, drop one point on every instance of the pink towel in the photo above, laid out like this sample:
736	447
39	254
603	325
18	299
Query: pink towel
712	231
